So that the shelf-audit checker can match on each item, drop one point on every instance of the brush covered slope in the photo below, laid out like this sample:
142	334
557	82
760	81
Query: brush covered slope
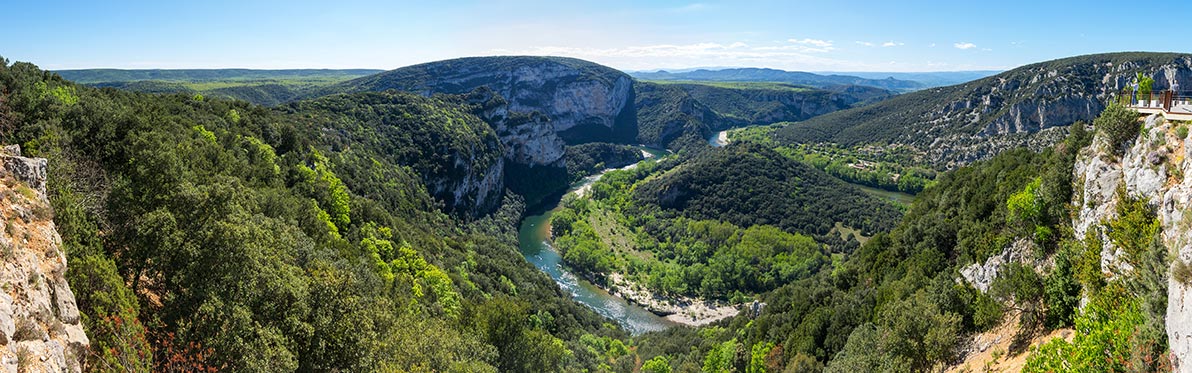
458	155
678	115
1027	106
897	303
211	234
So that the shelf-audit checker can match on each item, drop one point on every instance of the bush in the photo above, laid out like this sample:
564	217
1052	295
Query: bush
27	330
1181	132
1182	272
1111	337
1118	125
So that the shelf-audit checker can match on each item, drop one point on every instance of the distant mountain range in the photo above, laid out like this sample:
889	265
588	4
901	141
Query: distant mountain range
926	79
780	76
929	79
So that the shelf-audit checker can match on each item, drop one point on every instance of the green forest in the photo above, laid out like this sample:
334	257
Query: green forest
335	233
207	234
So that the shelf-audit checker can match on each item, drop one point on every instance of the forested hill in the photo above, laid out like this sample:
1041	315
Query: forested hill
93	76
207	234
262	87
751	185
780	76
678	114
1026	106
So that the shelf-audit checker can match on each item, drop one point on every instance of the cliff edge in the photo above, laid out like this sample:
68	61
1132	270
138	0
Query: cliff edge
40	329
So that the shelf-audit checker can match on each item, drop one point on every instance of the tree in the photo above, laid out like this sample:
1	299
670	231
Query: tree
916	330
657	364
1118	125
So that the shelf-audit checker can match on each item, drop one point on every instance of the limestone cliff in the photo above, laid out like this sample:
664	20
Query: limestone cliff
1028	106
582	101
40	330
1157	168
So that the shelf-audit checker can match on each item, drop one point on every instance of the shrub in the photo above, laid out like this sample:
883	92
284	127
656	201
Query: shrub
27	330
1111	337
24	358
1118	125
1181	132
1182	272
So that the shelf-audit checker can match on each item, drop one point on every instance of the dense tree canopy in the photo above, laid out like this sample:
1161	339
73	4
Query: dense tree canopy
211	233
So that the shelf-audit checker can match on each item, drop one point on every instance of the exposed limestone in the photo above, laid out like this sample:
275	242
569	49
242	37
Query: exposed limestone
1097	177
981	275
579	100
40	330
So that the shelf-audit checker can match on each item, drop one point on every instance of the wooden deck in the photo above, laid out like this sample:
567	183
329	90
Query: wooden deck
1183	113
1168	103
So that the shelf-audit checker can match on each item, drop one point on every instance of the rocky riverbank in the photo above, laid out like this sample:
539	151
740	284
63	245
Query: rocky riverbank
680	309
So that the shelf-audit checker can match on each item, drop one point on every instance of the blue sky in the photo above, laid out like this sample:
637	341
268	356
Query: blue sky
825	35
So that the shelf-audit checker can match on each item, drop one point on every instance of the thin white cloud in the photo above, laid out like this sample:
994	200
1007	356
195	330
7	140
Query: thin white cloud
864	43
803	56
815	42
964	45
891	44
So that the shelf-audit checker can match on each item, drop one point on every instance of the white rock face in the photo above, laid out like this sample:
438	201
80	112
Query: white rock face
577	99
981	275
39	320
1029	107
1143	171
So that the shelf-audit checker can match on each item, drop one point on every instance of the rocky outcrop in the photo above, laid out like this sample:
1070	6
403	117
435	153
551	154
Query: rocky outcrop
981	275
528	137
582	100
40	330
1157	168
1028	106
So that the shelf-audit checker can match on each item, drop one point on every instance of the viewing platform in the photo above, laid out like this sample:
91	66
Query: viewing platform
1171	104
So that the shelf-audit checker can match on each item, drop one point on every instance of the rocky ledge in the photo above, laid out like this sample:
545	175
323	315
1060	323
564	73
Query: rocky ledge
40	329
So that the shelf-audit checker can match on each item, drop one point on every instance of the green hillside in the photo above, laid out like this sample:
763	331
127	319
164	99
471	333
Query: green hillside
208	233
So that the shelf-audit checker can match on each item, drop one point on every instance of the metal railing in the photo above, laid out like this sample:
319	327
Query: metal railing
1164	99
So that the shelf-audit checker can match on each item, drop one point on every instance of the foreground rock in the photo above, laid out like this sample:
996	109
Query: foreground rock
1156	168
40	330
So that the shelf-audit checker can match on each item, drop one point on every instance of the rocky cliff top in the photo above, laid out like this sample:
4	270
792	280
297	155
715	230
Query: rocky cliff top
1028	106
1157	167
40	330
584	101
